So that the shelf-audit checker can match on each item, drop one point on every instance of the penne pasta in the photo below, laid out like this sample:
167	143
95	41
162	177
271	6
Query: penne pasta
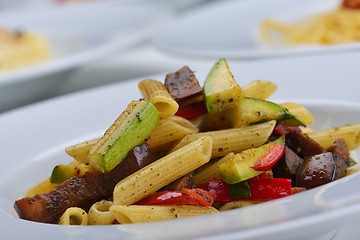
350	133
169	130
141	213
259	89
74	216
233	139
155	92
162	172
100	214
300	111
80	151
306	130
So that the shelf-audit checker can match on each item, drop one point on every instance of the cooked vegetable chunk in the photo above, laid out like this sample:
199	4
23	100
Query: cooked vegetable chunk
62	172
321	169
183	84
221	90
130	129
253	110
242	166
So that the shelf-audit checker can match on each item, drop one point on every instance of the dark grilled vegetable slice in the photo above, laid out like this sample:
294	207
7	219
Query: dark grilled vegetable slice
182	84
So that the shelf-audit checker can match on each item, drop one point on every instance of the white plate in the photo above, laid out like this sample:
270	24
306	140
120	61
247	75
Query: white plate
78	34
34	138
82	32
229	29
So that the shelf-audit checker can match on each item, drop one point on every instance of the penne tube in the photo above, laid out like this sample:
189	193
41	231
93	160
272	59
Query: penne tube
74	216
100	214
233	139
169	130
259	89
300	111
306	130
155	92
350	133
142	213
80	151
162	172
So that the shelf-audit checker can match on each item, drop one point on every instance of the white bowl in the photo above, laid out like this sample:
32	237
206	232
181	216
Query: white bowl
34	138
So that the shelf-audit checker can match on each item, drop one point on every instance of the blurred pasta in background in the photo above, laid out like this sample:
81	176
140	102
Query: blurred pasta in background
21	48
341	25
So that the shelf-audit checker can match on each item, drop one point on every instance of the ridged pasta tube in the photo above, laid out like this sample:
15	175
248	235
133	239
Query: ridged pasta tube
99	213
142	213
350	133
74	216
155	92
158	174
300	111
80	151
169	130
233	139
259	89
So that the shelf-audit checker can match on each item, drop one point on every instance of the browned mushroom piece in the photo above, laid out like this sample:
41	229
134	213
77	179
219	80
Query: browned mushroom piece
321	169
183	84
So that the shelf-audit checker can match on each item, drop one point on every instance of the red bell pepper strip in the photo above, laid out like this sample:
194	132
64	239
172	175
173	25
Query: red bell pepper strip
275	152
192	111
194	196
220	190
261	188
269	188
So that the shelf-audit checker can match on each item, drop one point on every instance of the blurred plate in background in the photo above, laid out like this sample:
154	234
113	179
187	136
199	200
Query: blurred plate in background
230	29
77	34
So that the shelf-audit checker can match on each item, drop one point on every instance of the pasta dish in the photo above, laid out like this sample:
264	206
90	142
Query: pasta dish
341	25
19	49
186	149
